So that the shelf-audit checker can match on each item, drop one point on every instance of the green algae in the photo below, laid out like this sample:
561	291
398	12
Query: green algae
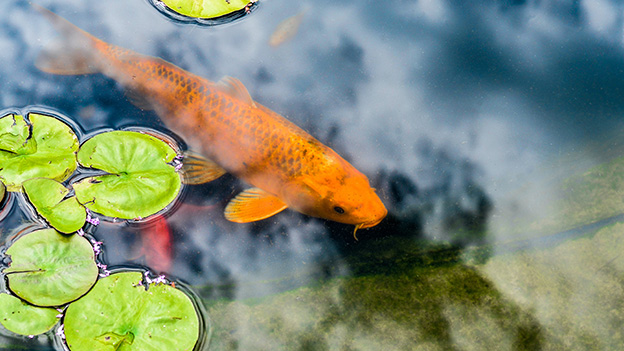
567	202
574	289
408	311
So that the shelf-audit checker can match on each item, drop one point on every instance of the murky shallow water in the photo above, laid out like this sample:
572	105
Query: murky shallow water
491	130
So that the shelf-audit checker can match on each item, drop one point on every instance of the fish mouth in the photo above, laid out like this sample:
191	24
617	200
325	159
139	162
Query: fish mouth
369	224
364	226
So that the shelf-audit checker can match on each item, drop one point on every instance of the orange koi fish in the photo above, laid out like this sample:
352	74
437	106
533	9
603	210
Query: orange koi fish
287	167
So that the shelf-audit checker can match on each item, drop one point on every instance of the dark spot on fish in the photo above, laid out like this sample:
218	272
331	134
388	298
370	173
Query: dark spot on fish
339	210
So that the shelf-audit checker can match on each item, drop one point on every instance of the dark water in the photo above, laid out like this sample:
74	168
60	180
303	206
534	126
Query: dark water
480	123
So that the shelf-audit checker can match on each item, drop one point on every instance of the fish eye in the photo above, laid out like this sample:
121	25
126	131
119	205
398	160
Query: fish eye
339	209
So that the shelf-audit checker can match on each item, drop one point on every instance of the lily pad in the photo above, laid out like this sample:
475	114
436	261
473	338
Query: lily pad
139	183
206	8
49	268
45	148
24	319
118	313
48	197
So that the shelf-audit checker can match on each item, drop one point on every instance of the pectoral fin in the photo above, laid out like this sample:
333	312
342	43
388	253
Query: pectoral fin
253	205
139	99
197	169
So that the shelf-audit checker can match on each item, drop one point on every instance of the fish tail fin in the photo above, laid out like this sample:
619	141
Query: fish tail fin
74	54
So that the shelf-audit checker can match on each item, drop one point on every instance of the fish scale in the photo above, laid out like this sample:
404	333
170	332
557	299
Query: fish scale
287	166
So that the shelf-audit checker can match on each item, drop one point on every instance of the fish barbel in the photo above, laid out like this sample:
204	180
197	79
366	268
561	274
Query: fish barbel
287	167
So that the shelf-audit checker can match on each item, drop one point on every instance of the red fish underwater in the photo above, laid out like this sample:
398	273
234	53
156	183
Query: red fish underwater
156	244
287	167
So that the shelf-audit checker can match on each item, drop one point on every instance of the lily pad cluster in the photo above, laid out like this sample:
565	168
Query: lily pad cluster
53	275
205	12
49	275
133	176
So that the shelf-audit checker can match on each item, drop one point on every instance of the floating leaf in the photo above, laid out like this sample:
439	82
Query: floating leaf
119	314
140	182
206	8
24	319
49	268
48	197
45	148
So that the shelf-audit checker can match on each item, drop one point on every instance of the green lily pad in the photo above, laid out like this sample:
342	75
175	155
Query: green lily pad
49	268
205	8
119	314
24	319
140	180
45	148
48	197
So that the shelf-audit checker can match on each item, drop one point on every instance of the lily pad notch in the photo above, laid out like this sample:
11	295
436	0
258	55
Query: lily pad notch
49	199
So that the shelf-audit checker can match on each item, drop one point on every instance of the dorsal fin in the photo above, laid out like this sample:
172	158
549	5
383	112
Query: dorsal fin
235	88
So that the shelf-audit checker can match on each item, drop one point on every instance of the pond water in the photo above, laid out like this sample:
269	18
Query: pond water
491	130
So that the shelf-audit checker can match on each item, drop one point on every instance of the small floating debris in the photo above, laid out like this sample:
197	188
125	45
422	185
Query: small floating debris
286	30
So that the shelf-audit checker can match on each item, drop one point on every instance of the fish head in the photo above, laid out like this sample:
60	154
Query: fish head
345	199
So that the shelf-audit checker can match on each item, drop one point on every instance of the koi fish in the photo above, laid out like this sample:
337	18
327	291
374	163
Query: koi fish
287	167
156	245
